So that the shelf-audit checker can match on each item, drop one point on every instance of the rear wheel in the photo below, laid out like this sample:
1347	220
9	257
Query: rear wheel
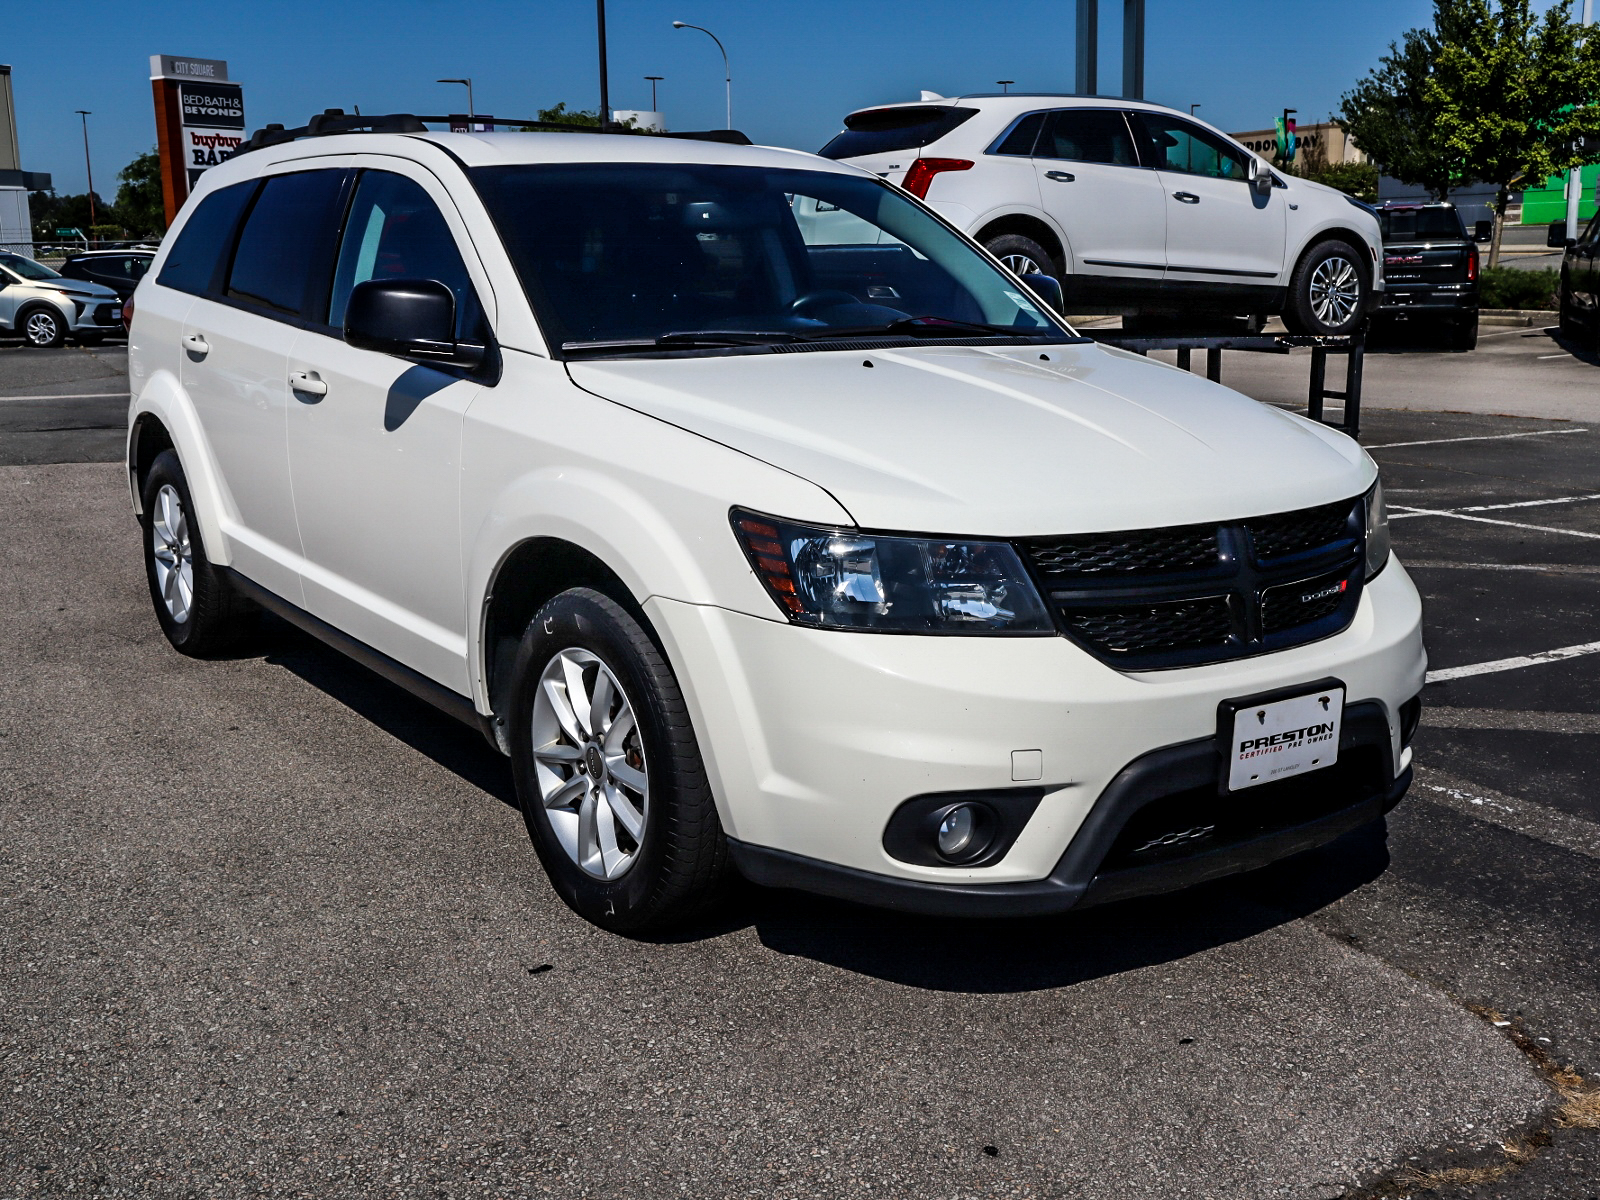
1022	255
1328	292
1462	333
42	327
608	772
199	610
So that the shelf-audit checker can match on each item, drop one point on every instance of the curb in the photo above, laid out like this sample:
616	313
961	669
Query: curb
1518	316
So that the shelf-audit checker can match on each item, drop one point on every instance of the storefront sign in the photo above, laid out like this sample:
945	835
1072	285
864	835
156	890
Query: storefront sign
199	121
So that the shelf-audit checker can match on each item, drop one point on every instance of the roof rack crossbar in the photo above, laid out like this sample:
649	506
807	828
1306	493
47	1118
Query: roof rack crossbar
335	120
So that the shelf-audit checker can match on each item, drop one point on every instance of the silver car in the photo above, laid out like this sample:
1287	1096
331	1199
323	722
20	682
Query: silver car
44	307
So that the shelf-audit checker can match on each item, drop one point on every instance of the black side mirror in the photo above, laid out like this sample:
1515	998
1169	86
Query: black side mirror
1048	288
409	318
1483	231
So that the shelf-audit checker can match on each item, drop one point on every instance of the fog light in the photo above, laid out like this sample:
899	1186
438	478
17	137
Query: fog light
956	830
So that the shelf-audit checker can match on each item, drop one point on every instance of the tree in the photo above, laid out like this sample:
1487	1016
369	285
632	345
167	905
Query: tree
139	203
1358	179
1511	95
51	212
1388	116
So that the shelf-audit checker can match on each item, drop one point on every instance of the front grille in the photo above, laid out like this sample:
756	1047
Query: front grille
1154	628
102	315
1183	595
1142	552
1297	532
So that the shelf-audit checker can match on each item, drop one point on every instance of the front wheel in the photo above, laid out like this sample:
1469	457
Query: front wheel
199	610
607	769
43	328
1329	291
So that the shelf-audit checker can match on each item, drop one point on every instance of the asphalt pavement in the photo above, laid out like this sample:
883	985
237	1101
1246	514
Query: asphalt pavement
272	927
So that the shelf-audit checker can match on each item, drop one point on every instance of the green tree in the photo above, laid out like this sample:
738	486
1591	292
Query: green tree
562	115
1389	116
1358	179
1511	93
51	212
139	206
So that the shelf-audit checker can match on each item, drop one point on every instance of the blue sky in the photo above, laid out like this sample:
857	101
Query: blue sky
798	65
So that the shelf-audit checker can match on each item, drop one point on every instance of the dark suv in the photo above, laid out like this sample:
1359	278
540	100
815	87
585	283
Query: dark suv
1580	282
119	270
1430	270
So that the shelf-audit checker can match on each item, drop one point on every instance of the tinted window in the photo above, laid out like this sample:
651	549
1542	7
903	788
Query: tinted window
394	231
881	130
286	240
1022	136
1173	144
1411	224
26	267
1093	135
192	263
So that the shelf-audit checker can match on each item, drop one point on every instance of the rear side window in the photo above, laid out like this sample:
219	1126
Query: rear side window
1091	135
1411	224
882	130
1019	142
287	241
196	256
396	232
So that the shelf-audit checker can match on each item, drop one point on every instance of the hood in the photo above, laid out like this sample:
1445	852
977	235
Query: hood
81	288
1011	441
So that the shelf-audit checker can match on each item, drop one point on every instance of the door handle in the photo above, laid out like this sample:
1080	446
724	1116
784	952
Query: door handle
308	382
1060	176
1186	197
196	344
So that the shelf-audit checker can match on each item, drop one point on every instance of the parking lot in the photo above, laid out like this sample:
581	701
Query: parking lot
273	927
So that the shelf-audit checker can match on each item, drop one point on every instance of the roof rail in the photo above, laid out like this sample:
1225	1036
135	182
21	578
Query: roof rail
335	120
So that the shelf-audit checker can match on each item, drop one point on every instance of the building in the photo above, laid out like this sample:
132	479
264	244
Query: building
1315	145
16	224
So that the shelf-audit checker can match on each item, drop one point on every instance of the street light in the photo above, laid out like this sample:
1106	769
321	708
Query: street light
654	79
84	114
1575	176
1005	84
471	112
1192	107
727	74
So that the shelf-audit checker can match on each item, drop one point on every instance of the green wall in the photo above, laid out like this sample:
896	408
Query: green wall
1542	205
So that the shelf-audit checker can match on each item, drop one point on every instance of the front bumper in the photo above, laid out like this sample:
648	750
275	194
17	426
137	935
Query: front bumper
814	738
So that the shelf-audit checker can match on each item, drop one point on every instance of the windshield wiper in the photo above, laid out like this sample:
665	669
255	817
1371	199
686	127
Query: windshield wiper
925	327
686	340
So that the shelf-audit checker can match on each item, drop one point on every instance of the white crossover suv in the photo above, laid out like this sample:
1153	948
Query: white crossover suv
1133	207
764	522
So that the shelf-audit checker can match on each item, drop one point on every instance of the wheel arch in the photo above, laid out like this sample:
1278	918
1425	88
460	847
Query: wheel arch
161	418
147	438
1028	226
1339	233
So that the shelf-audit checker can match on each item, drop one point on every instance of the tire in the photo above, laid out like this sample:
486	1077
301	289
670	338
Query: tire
645	850
1022	255
1462	334
1329	292
41	327
1571	327
199	610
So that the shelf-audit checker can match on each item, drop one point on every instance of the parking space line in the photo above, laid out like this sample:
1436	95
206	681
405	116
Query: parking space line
1461	516
1548	825
1512	664
1488	437
74	396
1427	564
1530	503
1497	718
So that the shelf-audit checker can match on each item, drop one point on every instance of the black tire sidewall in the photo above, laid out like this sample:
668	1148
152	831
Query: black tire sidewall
27	314
1016	243
587	619
1298	313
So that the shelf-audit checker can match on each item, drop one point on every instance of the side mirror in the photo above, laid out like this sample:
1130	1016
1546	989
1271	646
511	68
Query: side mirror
1260	178
409	318
1483	231
1556	235
1048	289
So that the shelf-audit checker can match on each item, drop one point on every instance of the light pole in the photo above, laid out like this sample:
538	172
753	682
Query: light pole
1575	175
1192	107
727	74
1005	84
654	79
84	114
471	112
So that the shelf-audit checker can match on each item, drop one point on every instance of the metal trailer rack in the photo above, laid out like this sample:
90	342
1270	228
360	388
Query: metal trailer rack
1353	347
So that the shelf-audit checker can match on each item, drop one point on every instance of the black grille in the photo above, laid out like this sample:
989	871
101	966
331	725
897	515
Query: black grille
1155	628
1190	594
102	315
1291	604
1297	532
1139	552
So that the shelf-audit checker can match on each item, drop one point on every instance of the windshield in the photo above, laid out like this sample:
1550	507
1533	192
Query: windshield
634	252
1420	224
26	267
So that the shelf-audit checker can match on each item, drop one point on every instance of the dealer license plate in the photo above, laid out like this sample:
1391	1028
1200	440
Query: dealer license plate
116	314
1287	737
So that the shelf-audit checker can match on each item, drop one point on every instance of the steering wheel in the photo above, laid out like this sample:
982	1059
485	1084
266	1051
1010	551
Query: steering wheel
821	299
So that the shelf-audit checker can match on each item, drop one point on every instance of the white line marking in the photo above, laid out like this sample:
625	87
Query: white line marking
76	396
1491	437
1493	718
1443	512
1539	821
1530	503
1542	357
1425	564
1511	664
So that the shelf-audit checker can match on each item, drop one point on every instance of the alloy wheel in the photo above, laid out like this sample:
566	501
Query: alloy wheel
169	542
589	763
1022	264
1335	290
42	328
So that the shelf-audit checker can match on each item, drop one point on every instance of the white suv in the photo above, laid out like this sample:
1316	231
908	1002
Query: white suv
1134	207
763	521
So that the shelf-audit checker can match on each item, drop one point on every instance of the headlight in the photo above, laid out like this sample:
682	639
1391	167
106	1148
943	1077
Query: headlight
846	579
1377	517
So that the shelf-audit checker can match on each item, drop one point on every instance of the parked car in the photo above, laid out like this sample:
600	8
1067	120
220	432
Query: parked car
119	270
43	308
763	521
1132	206
1430	267
1579	290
